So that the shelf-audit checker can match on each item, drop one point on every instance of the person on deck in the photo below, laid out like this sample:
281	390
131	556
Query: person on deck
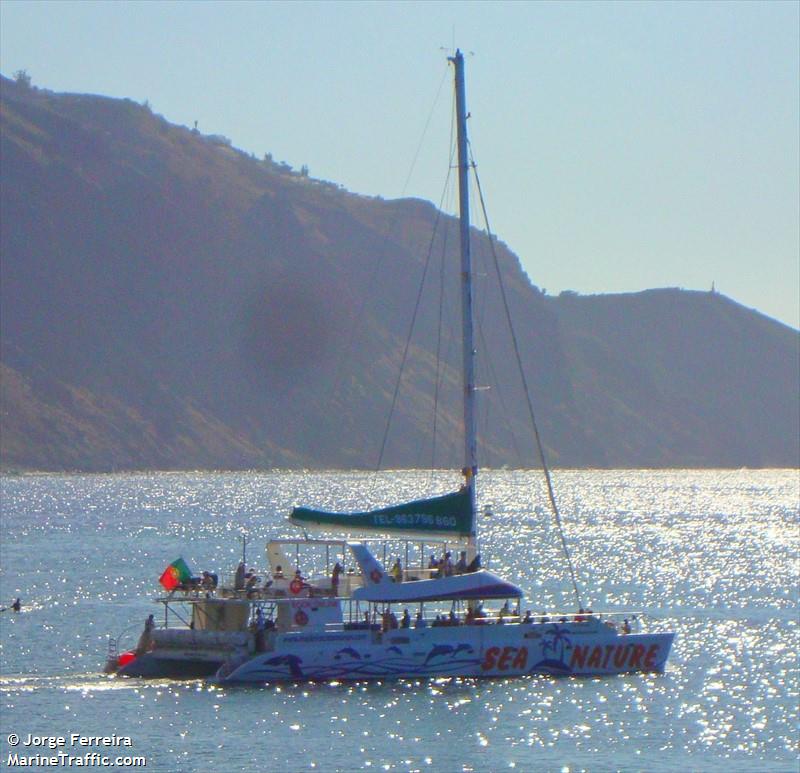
238	583
251	582
208	581
389	620
461	564
397	571
504	612
261	642
337	571
405	622
145	642
446	565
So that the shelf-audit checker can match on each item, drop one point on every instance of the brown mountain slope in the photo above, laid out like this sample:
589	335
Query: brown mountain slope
170	302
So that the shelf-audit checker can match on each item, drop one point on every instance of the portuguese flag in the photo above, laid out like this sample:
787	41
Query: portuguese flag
176	573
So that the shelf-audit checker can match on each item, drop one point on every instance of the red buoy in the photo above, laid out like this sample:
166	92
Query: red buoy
125	658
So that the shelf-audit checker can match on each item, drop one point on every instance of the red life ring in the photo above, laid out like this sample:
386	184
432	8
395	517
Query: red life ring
300	617
295	586
375	576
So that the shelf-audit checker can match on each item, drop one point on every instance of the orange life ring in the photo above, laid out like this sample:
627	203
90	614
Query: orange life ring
300	617
295	586
375	576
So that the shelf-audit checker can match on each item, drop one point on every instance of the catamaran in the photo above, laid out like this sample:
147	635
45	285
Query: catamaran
458	618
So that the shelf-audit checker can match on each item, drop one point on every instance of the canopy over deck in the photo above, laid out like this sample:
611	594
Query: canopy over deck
475	585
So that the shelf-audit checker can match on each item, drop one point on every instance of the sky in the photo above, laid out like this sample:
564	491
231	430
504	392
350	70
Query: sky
620	146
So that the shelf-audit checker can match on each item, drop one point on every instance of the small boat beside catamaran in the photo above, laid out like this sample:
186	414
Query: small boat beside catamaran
330	608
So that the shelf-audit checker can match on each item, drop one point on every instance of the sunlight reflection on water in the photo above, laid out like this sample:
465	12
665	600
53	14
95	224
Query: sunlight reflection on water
710	554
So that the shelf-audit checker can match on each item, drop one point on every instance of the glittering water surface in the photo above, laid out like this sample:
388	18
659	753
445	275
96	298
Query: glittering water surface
712	555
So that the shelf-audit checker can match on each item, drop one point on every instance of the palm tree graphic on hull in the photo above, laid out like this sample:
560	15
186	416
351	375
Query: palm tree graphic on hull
555	643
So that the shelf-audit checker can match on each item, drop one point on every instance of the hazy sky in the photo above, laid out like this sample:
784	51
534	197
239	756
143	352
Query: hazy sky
621	146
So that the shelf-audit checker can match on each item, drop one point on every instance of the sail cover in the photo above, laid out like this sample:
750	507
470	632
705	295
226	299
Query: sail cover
448	515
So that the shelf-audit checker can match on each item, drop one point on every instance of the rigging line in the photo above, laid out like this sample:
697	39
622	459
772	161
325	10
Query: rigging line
411	331
493	379
339	375
446	358
550	493
477	277
437	375
425	130
483	259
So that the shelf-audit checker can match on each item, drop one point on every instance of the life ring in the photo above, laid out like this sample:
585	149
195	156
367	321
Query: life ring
295	586
300	617
375	576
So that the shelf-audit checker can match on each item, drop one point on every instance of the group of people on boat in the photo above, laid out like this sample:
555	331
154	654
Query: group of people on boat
475	615
438	567
207	581
444	566
246	579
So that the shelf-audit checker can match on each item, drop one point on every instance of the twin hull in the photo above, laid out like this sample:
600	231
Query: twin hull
563	649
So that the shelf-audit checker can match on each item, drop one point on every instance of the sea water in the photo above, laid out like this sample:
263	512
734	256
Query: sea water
712	555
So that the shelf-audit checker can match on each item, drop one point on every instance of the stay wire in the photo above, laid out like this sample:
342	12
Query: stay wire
493	379
339	373
437	375
482	258
531	413
410	334
441	304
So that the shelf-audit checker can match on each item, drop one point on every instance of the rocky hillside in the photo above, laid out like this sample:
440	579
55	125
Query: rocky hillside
171	302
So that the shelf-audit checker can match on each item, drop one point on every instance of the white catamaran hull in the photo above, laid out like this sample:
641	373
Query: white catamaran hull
589	648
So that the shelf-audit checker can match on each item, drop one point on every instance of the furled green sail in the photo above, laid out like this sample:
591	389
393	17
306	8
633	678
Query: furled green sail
448	515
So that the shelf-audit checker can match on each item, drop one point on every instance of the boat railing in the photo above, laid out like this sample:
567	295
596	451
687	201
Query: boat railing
114	642
443	621
268	587
413	573
188	638
316	588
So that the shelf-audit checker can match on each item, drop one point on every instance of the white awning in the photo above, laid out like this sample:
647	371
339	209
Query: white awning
475	585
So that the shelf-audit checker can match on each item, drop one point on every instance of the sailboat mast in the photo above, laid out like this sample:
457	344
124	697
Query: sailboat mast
470	431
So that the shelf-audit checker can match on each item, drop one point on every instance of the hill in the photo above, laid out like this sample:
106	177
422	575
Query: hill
170	302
